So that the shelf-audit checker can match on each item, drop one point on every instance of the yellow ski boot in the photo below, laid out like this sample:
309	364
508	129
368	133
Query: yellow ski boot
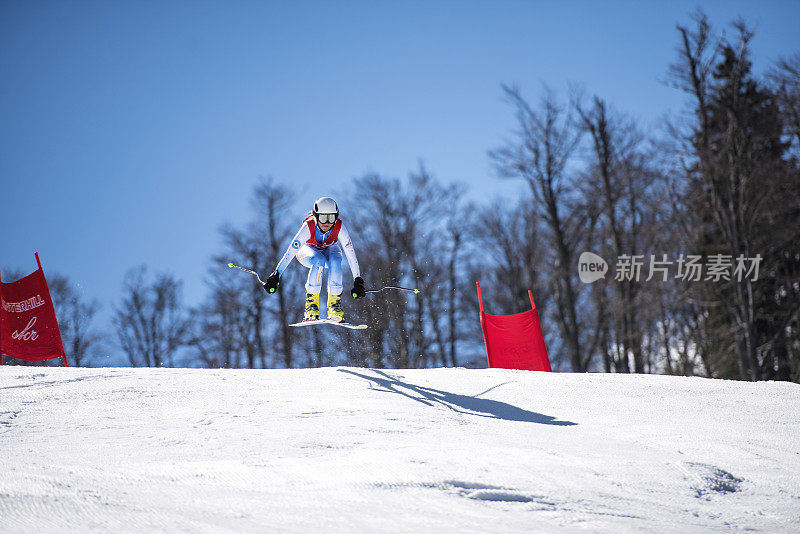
335	312
312	307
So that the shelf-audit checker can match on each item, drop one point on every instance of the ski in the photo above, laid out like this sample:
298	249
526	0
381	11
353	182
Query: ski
328	321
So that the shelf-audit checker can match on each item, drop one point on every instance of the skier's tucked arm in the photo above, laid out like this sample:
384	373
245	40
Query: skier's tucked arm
299	238
346	245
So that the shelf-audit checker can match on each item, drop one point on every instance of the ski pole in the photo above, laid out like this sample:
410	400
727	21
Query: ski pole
391	287
247	271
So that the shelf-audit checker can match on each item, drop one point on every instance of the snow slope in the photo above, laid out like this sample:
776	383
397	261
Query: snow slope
359	450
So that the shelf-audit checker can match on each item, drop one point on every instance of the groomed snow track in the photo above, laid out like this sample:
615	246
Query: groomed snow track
360	450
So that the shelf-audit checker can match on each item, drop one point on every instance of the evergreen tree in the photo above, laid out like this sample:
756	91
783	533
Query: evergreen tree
743	192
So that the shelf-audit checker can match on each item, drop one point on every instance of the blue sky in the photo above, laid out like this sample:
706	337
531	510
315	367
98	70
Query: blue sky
131	130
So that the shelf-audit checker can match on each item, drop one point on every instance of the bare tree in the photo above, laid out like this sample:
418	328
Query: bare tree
510	257
546	141
81	341
511	237
272	203
150	321
785	79
220	326
407	237
621	175
240	324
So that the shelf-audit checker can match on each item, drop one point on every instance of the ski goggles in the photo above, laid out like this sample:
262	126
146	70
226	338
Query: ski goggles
324	218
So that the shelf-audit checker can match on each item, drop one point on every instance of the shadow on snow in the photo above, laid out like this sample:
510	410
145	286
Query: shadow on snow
458	403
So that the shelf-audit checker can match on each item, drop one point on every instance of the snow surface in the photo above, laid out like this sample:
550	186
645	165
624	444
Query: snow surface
360	450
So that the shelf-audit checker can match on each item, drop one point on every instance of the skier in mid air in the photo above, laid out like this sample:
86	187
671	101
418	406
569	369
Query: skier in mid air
315	246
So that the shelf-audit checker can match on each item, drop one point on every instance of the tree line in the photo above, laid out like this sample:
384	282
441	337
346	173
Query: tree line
698	221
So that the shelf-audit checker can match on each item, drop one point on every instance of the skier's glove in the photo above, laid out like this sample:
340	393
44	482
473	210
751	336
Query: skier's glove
272	283
358	290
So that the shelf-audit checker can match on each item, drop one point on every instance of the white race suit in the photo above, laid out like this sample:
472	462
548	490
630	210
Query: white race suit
319	252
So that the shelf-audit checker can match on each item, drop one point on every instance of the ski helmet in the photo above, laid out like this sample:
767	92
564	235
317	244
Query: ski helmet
325	210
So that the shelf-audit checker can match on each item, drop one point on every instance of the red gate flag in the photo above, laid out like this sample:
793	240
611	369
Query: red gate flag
28	324
514	341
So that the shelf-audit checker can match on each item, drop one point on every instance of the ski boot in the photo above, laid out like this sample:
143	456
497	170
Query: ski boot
335	312
312	307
